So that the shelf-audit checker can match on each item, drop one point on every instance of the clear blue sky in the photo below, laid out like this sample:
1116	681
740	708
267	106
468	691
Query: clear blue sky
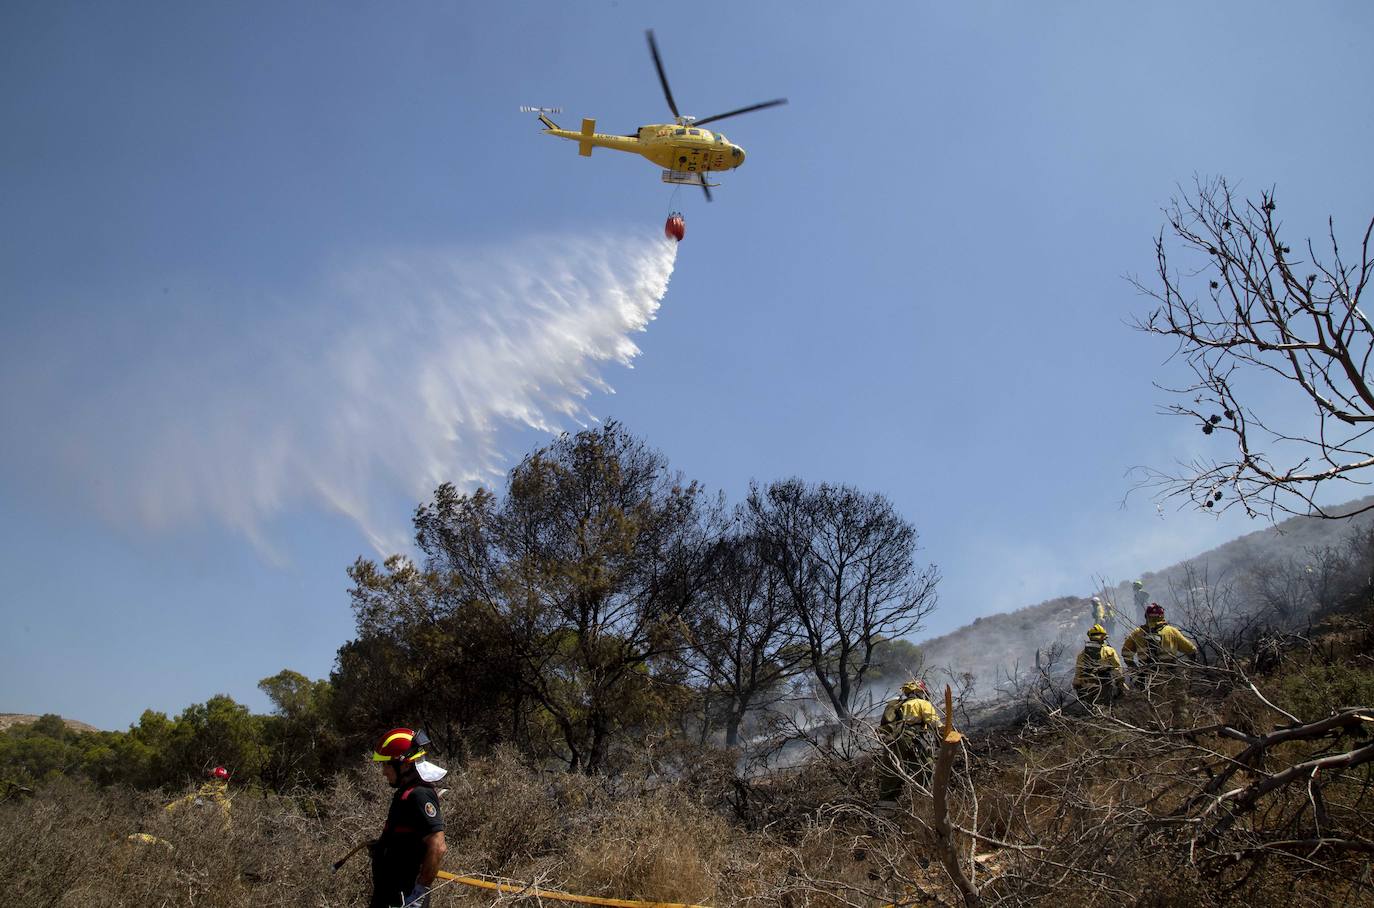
218	224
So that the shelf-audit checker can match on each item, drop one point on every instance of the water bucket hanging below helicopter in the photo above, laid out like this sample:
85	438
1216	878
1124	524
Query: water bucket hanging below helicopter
675	228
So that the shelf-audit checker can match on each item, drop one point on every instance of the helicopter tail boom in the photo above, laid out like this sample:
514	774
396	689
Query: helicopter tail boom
587	137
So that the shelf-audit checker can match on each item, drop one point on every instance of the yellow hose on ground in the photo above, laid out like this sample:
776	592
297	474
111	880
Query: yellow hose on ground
526	889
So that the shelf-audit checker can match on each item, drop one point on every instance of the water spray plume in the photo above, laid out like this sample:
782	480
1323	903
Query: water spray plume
405	371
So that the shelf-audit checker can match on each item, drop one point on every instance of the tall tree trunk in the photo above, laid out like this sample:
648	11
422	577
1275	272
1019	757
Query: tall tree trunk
596	756
732	723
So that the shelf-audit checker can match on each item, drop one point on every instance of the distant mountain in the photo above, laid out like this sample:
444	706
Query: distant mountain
997	646
9	720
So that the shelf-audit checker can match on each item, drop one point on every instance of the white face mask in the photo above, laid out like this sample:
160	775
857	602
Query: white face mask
429	772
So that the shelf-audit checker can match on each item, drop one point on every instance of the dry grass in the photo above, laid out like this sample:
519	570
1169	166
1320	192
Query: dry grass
1085	802
647	839
641	837
69	846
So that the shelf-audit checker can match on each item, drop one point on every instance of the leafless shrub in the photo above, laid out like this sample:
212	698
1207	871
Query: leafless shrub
1248	313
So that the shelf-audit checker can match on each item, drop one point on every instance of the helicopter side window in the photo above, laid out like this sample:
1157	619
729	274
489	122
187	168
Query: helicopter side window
694	132
679	132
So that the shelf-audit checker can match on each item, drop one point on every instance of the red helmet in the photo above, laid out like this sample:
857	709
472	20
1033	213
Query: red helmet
402	745
219	772
1153	611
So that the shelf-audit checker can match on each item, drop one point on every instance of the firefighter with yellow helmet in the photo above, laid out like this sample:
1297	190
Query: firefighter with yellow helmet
908	724
1098	677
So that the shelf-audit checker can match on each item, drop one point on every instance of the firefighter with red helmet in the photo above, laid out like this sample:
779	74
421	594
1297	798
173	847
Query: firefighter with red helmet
214	792
406	856
1155	653
905	731
1156	642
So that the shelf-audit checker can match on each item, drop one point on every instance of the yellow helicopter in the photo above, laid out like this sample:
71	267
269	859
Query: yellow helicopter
685	150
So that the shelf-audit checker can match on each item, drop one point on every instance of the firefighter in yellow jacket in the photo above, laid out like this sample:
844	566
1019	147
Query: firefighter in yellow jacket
214	793
1103	614
905	731
1098	677
1155	653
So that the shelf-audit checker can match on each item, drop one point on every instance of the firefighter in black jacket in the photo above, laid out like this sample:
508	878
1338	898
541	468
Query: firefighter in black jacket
405	858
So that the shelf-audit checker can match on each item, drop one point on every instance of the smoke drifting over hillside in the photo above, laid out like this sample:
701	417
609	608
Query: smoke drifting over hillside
1278	569
402	372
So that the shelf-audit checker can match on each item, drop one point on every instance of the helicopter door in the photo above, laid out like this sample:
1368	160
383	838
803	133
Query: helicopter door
690	159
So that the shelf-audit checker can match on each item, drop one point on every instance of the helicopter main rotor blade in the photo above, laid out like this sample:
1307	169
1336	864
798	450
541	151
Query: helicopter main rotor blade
662	77
743	110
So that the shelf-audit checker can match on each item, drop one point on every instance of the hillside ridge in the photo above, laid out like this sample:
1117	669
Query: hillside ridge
994	648
10	720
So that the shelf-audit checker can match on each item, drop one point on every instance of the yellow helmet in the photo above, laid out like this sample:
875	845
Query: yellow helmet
912	688
1097	632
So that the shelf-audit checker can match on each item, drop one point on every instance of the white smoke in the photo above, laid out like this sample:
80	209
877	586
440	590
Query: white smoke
403	372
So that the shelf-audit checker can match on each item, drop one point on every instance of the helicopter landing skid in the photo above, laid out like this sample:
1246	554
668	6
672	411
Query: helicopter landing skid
686	178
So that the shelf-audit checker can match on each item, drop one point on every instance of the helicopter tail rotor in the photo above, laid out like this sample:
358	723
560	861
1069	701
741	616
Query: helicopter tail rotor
543	113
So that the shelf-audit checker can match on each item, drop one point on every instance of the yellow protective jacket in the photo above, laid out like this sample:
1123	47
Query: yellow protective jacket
1100	667
907	713
215	792
1163	642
